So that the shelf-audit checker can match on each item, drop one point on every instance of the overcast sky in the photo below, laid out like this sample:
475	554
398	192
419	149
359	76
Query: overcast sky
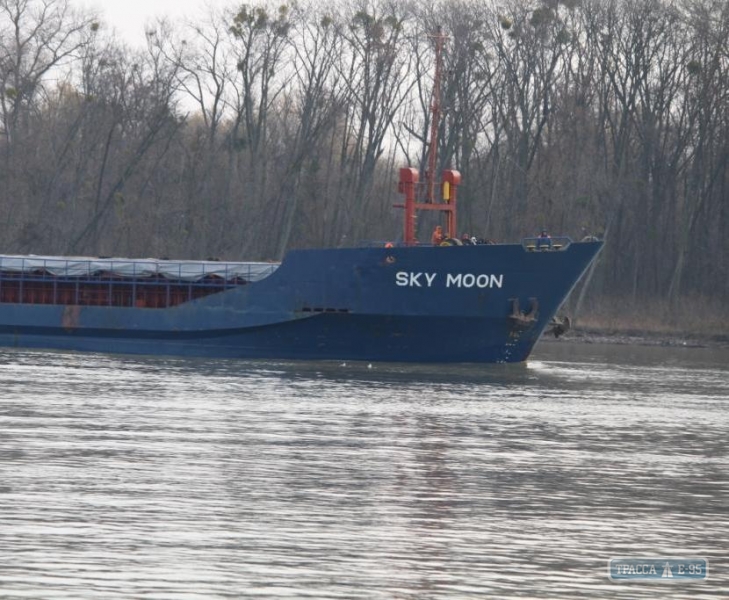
128	17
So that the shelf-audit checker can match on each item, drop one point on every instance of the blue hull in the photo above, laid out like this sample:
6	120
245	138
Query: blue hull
418	304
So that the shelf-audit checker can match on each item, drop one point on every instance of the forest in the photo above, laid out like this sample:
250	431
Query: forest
267	126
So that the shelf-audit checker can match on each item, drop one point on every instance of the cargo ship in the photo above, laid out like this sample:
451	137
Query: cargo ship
390	302
404	300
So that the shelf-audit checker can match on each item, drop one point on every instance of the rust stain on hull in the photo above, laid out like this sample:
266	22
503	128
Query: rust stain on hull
69	320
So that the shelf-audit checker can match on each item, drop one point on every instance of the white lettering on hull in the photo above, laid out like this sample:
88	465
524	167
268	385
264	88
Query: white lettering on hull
451	280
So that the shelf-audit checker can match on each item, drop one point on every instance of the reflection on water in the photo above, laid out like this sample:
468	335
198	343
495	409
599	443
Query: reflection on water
166	478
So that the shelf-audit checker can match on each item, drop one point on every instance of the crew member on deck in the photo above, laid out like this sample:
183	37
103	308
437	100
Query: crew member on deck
437	237
544	242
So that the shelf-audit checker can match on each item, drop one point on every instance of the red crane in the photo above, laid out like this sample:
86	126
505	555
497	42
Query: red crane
450	179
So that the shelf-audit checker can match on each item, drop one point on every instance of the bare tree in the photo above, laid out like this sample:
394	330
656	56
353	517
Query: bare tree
374	69
142	120
312	102
36	36
529	44
262	45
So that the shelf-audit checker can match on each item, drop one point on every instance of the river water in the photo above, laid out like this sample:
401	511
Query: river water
173	478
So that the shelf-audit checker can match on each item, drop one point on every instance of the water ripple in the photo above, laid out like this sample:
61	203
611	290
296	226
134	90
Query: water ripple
166	478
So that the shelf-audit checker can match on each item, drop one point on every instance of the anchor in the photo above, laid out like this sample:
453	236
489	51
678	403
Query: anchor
558	326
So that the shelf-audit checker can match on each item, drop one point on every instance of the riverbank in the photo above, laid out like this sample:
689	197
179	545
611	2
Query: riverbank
698	322
633	337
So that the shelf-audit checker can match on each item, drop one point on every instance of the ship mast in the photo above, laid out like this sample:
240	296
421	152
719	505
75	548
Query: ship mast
440	39
450	179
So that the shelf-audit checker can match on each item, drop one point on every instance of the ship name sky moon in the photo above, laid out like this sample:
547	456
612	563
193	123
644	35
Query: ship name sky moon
455	280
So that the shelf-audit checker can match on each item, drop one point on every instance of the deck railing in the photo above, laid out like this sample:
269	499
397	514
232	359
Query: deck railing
550	244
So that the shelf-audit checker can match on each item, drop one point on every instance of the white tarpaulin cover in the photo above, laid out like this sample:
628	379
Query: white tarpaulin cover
188	270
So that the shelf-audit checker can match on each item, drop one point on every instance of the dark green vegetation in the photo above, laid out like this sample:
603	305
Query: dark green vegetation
268	127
